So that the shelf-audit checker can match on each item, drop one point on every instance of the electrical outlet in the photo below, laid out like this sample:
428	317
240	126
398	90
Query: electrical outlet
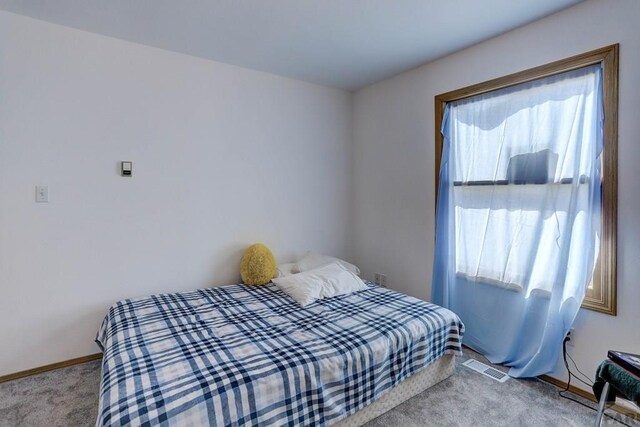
376	278
383	280
572	337
42	194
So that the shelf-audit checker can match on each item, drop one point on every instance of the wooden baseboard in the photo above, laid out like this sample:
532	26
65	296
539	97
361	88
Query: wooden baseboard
51	367
589	396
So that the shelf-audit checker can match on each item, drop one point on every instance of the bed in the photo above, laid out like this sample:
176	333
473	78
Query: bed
250	355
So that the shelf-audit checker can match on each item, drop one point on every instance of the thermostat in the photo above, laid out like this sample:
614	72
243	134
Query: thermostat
126	168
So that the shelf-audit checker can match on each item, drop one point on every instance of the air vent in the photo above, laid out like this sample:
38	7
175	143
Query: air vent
486	370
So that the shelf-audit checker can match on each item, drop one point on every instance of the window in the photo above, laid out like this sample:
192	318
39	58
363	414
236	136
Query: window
529	175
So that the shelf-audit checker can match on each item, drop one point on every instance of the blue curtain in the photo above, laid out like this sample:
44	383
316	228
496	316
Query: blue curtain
518	215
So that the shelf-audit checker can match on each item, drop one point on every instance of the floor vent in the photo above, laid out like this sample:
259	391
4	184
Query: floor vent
486	370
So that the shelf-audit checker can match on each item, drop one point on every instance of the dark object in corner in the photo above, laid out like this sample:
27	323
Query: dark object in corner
629	361
623	383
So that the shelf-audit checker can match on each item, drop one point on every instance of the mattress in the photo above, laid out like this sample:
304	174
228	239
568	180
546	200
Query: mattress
250	355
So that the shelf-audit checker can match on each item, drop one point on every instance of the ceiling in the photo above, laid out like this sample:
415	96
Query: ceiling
346	44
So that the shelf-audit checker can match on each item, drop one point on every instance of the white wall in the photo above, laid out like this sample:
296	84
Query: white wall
394	158
223	157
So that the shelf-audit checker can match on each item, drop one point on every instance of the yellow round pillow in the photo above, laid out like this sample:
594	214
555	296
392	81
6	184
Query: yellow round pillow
258	265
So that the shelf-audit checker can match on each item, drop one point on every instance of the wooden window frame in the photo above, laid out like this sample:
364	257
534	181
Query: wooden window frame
602	297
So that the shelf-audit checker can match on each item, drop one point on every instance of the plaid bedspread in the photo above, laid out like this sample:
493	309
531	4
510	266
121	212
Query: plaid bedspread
250	355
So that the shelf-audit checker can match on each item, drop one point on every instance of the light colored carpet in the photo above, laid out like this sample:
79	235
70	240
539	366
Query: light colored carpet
69	397
65	397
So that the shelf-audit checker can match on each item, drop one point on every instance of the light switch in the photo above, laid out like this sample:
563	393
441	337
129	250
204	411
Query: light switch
126	168
42	194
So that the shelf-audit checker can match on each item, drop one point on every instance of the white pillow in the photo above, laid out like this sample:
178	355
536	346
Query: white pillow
312	260
284	270
323	282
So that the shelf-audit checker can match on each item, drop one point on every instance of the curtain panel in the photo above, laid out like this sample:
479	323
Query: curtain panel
518	215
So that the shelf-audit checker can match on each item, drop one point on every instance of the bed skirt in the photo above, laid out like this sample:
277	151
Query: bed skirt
439	370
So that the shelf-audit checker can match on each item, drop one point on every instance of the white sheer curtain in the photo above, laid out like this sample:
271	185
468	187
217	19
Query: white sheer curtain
519	213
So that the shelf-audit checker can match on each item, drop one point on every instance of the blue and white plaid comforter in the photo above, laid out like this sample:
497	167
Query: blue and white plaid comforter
250	355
